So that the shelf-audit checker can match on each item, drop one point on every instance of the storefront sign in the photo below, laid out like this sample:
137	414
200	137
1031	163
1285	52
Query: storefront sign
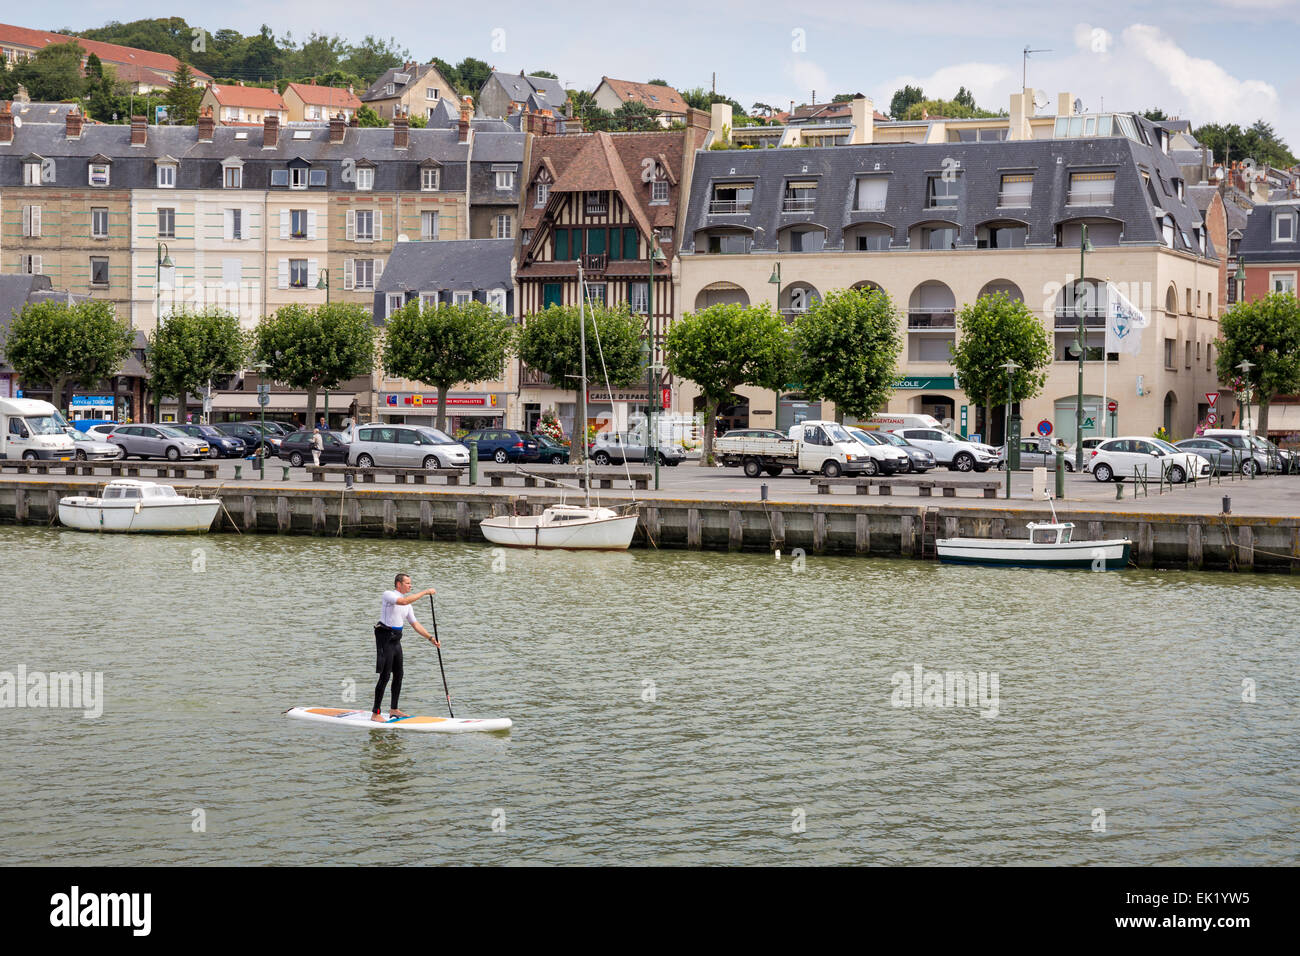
636	396
420	400
92	401
928	382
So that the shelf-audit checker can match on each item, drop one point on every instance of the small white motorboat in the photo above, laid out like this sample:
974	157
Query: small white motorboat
129	504
583	527
1049	546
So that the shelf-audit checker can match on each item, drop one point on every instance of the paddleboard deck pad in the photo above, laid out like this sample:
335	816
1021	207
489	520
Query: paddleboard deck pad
433	725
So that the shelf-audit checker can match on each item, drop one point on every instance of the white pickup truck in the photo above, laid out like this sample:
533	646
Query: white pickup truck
816	446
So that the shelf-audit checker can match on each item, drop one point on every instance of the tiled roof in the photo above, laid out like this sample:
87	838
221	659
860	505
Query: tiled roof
521	88
107	52
40	112
662	98
325	96
416	72
254	97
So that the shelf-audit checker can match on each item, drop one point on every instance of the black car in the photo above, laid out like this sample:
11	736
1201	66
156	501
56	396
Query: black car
502	445
296	449
249	434
220	445
549	450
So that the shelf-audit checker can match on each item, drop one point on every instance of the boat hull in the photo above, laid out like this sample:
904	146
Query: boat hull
601	534
1089	555
174	516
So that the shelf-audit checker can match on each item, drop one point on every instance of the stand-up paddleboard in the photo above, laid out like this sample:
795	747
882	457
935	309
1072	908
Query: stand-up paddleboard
434	725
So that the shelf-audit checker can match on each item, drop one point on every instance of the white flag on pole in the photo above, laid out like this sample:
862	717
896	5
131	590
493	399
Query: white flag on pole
1124	323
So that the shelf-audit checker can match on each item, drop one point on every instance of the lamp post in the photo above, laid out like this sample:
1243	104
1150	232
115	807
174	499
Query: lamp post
775	279
1241	279
161	261
1246	365
1084	247
261	382
652	369
1011	367
324	283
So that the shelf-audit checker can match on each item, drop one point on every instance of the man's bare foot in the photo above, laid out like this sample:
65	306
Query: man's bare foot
377	717
397	713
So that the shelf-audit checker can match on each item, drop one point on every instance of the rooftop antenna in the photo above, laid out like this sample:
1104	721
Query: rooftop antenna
1024	66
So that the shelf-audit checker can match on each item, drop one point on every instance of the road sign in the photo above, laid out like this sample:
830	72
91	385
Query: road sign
263	398
1044	428
1212	398
1112	406
1211	419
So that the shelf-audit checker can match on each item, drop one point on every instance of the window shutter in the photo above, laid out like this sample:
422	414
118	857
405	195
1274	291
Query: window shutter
350	231
230	224
313	274
379	225
36	265
348	270
284	274
311	223
284	224
379	270
27	220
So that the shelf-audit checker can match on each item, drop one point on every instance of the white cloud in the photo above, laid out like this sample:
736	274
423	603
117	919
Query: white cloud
805	76
1211	93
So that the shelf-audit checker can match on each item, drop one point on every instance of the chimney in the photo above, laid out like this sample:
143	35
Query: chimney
6	126
337	128
1022	110
72	125
401	132
720	120
1064	104
862	111
206	125
466	111
139	131
270	131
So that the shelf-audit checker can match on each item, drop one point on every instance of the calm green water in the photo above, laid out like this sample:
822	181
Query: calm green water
772	695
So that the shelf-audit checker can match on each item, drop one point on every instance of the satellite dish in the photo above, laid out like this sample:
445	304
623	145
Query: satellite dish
402	237
1040	100
1078	105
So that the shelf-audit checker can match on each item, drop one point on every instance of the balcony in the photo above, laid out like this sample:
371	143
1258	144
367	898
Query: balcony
728	207
1014	200
1067	319
798	204
597	207
870	206
594	262
926	320
532	378
1090	197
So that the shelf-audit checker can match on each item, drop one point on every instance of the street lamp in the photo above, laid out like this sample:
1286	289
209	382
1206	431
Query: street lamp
324	283
1241	279
1011	367
161	261
261	381
652	374
775	279
1084	247
1246	365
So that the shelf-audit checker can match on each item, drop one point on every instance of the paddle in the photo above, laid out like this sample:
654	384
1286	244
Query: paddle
439	649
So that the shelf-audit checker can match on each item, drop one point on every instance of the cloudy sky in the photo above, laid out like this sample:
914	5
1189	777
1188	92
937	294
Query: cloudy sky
1215	61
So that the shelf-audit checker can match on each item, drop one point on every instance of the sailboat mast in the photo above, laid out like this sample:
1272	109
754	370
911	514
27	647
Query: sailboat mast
582	349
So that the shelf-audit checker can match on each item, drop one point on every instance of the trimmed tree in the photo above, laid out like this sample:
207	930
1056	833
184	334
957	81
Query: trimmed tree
1265	332
846	349
549	342
995	329
723	347
447	346
192	348
58	344
316	348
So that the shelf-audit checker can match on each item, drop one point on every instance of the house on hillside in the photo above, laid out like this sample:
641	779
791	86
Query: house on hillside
412	88
244	105
507	93
667	102
307	103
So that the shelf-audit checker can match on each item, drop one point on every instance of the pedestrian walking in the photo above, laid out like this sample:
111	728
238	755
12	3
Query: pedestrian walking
317	446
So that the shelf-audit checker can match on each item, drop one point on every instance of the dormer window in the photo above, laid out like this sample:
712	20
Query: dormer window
365	178
543	193
32	172
658	193
279	177
232	173
1167	231
298	177
596	204
389	89
799	197
1017	188
941	192
1284	227
166	174
505	178
429	179
99	173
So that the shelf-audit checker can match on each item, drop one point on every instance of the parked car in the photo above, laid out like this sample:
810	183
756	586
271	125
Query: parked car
1221	456
919	460
618	447
157	441
252	437
1120	458
503	445
219	445
102	431
1040	454
957	453
1254	458
277	428
89	448
550	450
404	446
1088	445
887	459
755	433
296	449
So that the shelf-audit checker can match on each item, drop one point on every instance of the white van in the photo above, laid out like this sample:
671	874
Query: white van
31	430
888	422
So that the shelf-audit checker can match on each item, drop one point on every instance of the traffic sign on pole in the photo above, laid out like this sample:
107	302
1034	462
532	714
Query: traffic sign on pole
1211	419
1212	398
1112	406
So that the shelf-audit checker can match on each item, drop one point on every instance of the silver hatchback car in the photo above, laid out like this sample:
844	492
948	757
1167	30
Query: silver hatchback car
406	446
157	441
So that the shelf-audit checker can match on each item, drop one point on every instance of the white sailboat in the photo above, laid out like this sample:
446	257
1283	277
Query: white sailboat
585	527
129	504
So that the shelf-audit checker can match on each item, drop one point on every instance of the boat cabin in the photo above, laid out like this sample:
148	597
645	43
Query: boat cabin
137	489
1050	533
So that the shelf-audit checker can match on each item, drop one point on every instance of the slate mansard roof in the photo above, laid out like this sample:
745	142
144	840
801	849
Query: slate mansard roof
1259	245
448	264
980	167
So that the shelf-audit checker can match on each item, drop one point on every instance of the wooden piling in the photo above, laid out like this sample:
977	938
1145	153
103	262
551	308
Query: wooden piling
20	505
462	519
1246	546
907	535
1195	547
735	531
778	530
694	539
426	519
318	515
250	513
283	519
1146	545
390	517
862	534
819	532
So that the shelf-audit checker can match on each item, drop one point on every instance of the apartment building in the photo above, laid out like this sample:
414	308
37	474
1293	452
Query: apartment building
938	224
606	202
414	89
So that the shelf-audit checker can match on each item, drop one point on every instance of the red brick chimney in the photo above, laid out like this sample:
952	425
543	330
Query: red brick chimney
270	131
206	125
6	126
139	131
466	111
354	121
401	131
338	126
72	125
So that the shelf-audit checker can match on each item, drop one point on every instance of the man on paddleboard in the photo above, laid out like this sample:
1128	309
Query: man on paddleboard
395	612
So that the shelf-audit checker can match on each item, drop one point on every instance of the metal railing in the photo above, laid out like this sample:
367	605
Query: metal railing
594	262
1067	319
719	207
926	319
532	377
870	206
1014	200
798	204
1090	197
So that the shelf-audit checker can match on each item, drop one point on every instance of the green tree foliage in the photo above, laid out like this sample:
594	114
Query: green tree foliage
53	74
1260	143
368	117
102	98
446	346
843	97
1155	114
448	71
315	348
57	344
549	342
1265	332
472	74
995	329
903	100
964	98
371	57
551	76
952	109
634	117
723	347
192	348
183	97
846	349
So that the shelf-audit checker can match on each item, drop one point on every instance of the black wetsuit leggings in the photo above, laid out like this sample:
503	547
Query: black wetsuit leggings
388	664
